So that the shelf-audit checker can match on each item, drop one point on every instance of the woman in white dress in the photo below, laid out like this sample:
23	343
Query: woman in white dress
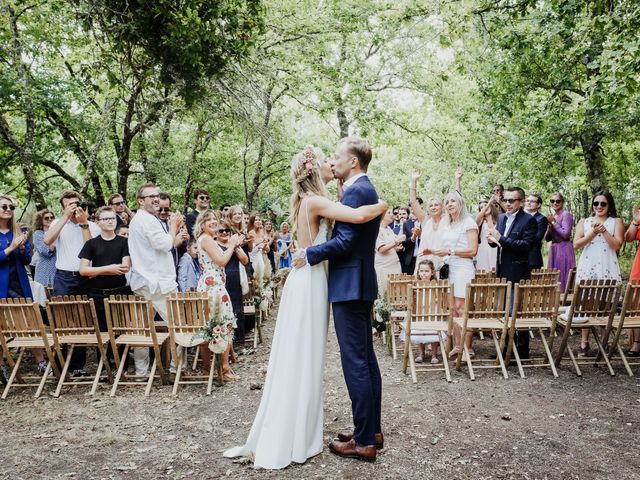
600	236
430	221
487	218
288	426
459	246
387	261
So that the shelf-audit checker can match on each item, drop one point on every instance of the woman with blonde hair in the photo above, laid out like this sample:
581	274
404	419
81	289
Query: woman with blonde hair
289	423
261	245
430	221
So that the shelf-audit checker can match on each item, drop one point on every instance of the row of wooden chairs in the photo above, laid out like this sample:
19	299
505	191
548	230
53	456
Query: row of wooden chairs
130	322
535	308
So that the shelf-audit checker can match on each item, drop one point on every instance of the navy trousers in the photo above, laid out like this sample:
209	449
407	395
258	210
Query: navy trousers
360	367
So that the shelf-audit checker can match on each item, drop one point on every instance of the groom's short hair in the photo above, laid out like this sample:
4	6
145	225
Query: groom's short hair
360	148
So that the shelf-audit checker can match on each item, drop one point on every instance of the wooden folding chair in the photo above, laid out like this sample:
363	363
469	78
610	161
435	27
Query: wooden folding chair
74	323
398	299
188	312
545	275
486	307
130	322
567	295
484	274
250	310
21	327
629	318
429	314
535	307
596	302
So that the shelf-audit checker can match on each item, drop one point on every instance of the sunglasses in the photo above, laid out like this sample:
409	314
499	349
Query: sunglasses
204	197
164	209
48	217
554	200
512	200
224	230
496	190
6	207
600	204
117	204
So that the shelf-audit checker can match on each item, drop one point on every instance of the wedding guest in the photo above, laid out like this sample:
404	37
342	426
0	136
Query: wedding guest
189	268
421	337
119	205
599	237
224	210
515	236
431	235
202	203
258	254
386	259
487	219
398	218
561	253
46	266
532	206
285	245
123	231
68	235
633	235
182	238
498	192
411	245
235	221
459	246
272	238
15	254
153	273
237	260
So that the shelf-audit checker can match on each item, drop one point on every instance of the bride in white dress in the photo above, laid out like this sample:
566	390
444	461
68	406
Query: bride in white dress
288	426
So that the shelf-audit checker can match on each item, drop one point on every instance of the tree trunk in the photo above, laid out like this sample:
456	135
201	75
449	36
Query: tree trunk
594	160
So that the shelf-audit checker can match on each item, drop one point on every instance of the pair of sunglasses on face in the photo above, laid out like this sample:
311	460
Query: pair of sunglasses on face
6	207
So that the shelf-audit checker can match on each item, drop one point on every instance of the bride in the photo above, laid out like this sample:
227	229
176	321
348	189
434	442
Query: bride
289	422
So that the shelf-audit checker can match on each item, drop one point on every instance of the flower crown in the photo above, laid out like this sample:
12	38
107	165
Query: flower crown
309	160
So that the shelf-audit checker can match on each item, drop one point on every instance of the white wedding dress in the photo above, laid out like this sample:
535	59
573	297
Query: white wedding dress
289	424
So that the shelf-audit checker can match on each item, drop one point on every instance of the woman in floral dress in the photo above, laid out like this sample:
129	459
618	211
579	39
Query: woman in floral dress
212	262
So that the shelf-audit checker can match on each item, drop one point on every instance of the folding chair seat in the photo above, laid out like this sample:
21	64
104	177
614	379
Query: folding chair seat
397	298
487	307
74	323
189	312
130	320
429	315
629	318
593	306
535	308
21	327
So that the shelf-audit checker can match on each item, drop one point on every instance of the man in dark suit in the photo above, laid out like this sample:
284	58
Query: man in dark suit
409	252
352	291
515	235
532	207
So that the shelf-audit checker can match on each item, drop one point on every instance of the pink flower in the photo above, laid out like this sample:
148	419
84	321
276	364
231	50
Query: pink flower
208	281
225	299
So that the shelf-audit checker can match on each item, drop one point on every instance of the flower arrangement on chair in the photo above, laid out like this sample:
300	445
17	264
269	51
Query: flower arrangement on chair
218	331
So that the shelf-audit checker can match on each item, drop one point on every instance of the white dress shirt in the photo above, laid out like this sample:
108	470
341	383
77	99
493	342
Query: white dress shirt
69	243
151	259
352	180
511	217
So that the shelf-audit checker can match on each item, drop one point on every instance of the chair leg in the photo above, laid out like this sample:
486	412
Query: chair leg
547	350
602	353
195	358
563	347
445	359
94	387
14	372
412	365
575	364
176	381
498	354
65	370
116	381
516	355
43	381
406	351
469	364
623	357
212	365
152	375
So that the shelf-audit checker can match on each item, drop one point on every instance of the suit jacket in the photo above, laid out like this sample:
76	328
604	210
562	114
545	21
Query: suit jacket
513	258
351	250
535	256
188	274
409	245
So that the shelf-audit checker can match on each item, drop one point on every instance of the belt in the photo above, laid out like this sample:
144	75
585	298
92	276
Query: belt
68	272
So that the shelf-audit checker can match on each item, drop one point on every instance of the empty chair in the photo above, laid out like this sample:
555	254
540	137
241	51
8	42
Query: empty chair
397	298
629	318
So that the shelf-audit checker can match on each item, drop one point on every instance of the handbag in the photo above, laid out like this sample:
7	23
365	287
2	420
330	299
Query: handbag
443	273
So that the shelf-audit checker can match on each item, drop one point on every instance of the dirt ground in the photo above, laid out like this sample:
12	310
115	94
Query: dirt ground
491	428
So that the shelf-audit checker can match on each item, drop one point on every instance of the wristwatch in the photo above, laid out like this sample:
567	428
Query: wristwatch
303	253
83	226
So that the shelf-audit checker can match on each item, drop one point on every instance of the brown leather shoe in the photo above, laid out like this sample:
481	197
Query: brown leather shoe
351	449
345	437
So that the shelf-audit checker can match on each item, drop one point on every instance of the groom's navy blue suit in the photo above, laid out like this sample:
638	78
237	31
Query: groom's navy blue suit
352	291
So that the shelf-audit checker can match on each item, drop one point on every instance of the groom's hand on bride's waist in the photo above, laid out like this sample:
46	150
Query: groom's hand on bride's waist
300	258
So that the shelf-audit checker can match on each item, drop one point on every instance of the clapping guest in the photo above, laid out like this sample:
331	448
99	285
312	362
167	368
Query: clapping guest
410	247
532	207
257	255
285	245
15	254
633	235
600	237
272	237
487	219
182	237
46	266
431	235
386	259
189	268
561	253
202	203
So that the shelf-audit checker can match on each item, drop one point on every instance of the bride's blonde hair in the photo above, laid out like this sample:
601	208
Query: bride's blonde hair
306	180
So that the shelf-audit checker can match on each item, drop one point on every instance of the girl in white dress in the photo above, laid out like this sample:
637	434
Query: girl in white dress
600	236
459	246
288	426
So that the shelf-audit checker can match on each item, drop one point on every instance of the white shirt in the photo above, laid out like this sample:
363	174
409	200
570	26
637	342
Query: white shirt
69	243
151	259
511	217
352	180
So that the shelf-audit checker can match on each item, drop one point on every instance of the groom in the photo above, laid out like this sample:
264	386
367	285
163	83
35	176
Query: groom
352	291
